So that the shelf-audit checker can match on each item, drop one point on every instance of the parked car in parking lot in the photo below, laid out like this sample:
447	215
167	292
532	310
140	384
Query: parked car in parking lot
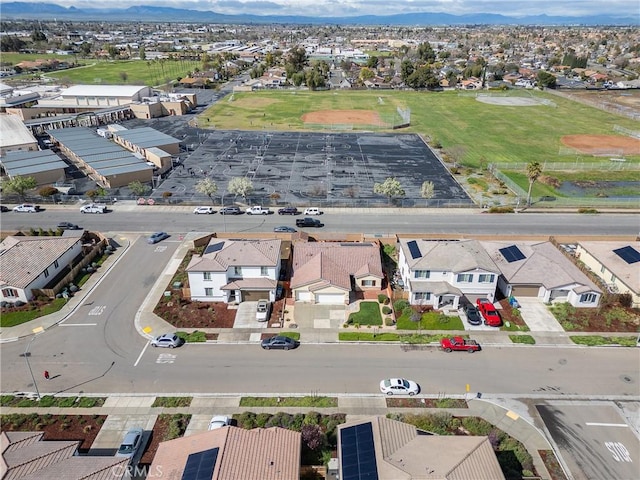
167	340
284	229
203	210
230	211
68	226
26	208
288	211
130	444
279	342
473	316
399	386
157	237
219	421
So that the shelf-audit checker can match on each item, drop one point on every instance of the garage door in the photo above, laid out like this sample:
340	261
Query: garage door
330	298
254	295
303	296
525	291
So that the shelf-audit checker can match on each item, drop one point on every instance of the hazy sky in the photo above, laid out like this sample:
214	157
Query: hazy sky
383	7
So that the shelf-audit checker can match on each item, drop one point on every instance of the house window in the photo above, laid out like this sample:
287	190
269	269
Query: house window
588	298
613	278
46	272
206	275
208	292
602	269
465	277
237	270
421	274
9	293
55	263
264	270
486	278
422	295
368	283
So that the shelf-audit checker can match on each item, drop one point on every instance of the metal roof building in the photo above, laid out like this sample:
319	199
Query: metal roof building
14	136
45	166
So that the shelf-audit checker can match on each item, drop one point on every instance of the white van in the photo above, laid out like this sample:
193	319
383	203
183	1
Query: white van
312	211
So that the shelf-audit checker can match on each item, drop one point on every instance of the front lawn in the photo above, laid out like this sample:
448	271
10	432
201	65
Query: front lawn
369	314
430	320
17	316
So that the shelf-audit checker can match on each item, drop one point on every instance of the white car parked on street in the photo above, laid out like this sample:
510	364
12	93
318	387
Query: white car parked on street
312	211
93	208
203	210
25	208
399	386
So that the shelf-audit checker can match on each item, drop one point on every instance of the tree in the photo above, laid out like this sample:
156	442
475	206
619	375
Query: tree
406	69
426	53
207	187
546	79
313	437
372	62
142	53
366	74
389	188
138	188
240	186
124	76
47	191
427	190
19	185
534	170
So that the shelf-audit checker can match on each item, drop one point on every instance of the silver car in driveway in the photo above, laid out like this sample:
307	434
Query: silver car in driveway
130	444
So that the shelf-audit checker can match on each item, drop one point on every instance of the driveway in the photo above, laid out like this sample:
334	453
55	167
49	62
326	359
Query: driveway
307	315
537	315
246	316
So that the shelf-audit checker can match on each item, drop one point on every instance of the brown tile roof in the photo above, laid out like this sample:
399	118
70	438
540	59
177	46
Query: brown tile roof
258	454
226	253
23	259
333	263
402	453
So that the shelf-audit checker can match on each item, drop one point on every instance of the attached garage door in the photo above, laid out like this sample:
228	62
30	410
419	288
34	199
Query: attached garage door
525	291
303	296
330	298
254	295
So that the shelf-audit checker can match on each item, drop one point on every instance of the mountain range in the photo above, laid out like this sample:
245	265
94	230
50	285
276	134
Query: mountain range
140	13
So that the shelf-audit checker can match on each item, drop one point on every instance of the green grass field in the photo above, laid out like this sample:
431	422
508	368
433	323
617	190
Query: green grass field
487	133
132	72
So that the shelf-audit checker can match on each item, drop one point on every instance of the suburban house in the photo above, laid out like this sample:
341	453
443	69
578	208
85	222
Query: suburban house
25	455
386	449
231	453
234	271
328	272
539	269
441	272
616	263
32	263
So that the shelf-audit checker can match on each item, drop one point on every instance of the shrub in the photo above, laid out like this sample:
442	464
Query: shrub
587	210
501	210
262	419
247	420
311	418
386	310
87	428
382	298
477	426
400	305
388	321
625	300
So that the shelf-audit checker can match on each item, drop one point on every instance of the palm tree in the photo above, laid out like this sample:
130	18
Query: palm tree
534	170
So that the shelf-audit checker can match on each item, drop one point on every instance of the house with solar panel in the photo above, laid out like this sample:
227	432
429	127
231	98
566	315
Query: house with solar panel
230	453
235	271
379	448
443	273
616	264
541	270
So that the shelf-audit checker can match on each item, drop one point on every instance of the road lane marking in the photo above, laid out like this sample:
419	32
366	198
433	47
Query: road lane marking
166	358
97	310
78	324
141	354
596	424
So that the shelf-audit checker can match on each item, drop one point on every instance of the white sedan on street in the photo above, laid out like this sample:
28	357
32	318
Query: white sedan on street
399	386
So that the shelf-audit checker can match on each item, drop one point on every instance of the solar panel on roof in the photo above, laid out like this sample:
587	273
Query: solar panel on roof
512	254
200	465
414	249
358	453
628	254
214	247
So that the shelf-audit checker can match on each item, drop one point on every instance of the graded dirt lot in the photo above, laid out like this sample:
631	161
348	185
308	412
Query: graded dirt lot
357	117
595	144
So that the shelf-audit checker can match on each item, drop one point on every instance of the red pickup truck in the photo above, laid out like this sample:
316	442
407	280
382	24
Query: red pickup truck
459	343
488	312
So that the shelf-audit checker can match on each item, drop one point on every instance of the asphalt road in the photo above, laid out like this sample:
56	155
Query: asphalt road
456	222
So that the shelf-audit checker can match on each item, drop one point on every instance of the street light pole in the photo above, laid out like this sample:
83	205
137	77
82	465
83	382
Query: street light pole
27	354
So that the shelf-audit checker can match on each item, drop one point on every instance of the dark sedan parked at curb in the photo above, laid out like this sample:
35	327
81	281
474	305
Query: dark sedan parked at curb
288	211
284	229
279	342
